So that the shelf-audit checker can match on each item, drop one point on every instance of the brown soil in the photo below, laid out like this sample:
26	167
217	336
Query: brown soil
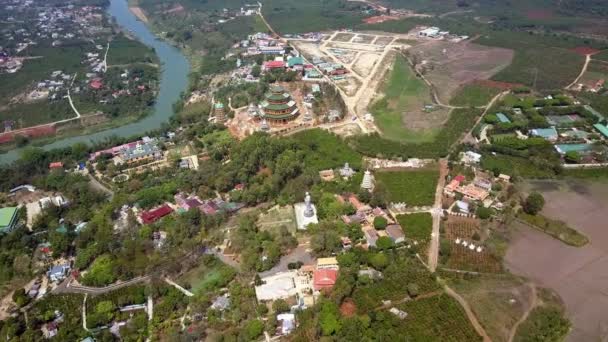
578	275
456	64
585	50
348	308
539	14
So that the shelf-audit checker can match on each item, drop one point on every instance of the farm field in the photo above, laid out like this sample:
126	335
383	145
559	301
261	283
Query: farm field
596	71
400	113
601	56
438	318
293	16
473	95
515	166
417	226
576	274
457	64
401	271
415	188
497	301
540	61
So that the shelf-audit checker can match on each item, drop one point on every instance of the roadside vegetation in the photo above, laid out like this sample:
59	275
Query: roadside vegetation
555	228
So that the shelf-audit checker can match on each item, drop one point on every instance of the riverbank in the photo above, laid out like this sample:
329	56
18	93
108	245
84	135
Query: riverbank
139	13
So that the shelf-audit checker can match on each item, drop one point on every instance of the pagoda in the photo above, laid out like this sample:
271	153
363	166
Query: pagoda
220	115
368	181
278	106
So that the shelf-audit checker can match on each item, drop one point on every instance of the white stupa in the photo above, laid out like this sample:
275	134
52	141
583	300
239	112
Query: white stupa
368	181
347	171
306	212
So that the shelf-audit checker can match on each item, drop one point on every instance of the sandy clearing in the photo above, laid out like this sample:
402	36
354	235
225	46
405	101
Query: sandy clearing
139	13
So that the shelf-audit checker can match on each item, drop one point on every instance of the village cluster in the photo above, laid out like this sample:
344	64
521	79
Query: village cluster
58	25
578	133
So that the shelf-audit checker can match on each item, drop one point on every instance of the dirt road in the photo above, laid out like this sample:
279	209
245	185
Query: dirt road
436	213
585	66
533	304
467	309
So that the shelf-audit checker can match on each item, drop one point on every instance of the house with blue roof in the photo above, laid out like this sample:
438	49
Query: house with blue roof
546	133
503	118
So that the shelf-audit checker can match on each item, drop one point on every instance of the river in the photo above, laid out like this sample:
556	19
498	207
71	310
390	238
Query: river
173	80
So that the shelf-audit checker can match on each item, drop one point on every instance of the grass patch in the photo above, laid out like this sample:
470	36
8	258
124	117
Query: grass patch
211	274
601	56
438	318
403	92
460	121
417	226
278	217
326	150
555	228
473	95
415	188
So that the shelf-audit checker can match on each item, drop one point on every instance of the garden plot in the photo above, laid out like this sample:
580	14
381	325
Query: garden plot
365	63
451	65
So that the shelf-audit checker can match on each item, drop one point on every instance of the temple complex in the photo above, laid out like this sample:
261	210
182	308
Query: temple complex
278	106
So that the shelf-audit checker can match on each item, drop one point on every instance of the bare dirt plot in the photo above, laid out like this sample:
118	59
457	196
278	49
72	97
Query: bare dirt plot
349	85
365	63
309	50
354	46
455	64
343	37
363	39
578	275
382	41
344	56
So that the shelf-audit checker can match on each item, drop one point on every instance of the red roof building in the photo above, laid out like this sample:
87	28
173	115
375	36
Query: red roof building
96	84
274	65
56	165
460	178
154	215
324	279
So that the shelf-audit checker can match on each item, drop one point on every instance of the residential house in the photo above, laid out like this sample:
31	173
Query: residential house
549	134
151	216
371	236
327	263
58	272
395	232
221	303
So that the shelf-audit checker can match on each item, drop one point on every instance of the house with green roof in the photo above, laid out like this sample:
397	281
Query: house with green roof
602	129
8	219
294	62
